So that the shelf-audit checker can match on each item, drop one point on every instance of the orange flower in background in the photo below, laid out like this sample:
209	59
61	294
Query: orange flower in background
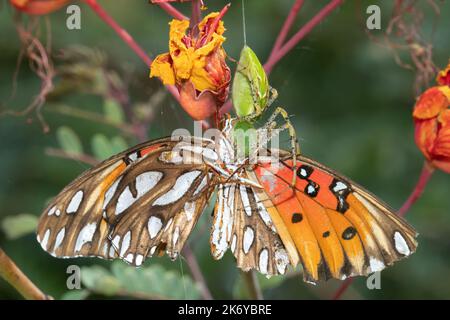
196	64
443	77
38	7
432	122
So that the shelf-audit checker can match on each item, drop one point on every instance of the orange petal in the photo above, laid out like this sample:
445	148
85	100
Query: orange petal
162	68
198	106
430	103
443	77
38	7
425	134
442	143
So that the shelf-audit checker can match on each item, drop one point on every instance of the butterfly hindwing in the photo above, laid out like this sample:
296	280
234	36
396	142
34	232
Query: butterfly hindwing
339	229
243	224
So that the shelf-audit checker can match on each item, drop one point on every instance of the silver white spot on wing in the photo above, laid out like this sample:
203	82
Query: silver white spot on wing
233	243
181	186
133	156
57	212
139	259
86	234
154	226
129	258
245	200
44	241
75	202
281	260
249	236
400	244
125	244
223	222
339	186
168	224
176	235
144	183
52	210
263	260
116	242
152	250
189	210
59	238
375	265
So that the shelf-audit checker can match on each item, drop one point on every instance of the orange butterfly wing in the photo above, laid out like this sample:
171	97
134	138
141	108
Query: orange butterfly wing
338	228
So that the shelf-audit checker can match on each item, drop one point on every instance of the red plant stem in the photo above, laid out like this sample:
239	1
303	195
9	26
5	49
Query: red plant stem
425	176
307	28
196	14
127	38
196	272
167	7
287	26
427	172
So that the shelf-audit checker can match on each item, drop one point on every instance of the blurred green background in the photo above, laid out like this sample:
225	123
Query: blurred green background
352	110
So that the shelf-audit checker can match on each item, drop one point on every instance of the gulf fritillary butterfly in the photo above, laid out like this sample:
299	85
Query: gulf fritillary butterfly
282	210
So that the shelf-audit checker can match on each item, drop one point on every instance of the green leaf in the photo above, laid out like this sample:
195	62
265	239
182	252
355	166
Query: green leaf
69	141
118	144
101	147
99	280
75	295
19	225
113	111
152	282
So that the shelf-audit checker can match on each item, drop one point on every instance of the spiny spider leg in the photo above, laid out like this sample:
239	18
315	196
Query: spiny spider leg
295	148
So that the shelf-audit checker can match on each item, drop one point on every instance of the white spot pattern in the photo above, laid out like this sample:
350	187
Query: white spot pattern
400	244
181	186
154	226
75	202
263	261
86	234
249	236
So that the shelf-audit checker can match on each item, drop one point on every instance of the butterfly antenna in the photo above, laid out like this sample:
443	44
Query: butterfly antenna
243	23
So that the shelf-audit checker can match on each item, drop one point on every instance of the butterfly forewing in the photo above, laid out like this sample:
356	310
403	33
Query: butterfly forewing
144	199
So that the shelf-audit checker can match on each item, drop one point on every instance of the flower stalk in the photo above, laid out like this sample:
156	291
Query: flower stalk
15	277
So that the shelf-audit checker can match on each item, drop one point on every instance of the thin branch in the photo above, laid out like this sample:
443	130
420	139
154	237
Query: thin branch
307	28
425	175
197	274
85	158
91	116
127	38
287	26
14	276
196	15
252	284
167	7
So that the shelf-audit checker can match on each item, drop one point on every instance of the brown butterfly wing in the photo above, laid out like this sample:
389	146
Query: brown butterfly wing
111	209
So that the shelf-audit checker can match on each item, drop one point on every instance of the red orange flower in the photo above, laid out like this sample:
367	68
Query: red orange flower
38	7
432	122
196	64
